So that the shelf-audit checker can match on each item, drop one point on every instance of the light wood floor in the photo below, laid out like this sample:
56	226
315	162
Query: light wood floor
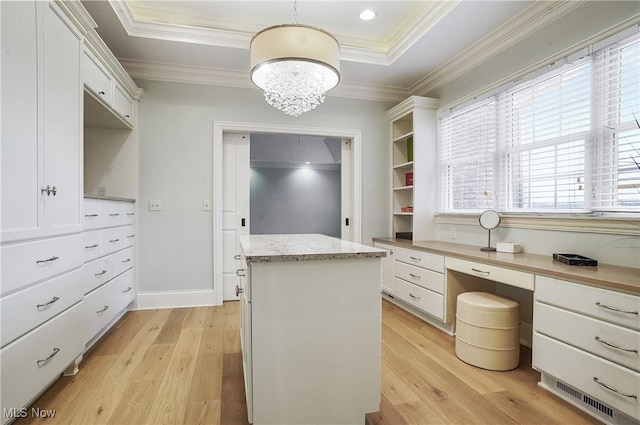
184	366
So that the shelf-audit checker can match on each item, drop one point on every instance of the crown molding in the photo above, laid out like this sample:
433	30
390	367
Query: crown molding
532	19
155	71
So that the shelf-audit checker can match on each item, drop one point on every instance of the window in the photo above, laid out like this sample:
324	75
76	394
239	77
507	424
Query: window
566	141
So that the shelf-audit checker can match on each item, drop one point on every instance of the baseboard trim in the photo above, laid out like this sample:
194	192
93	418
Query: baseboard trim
176	299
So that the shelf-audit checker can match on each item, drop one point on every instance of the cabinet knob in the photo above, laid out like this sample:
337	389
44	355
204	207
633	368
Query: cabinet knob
54	190
46	190
101	93
237	257
239	291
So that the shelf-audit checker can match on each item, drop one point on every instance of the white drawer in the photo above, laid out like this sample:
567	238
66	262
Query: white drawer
96	78
422	277
110	240
97	272
421	259
497	274
91	245
614	307
91	213
104	304
578	369
129	213
30	262
123	260
123	104
425	300
129	235
25	368
27	309
111	214
595	336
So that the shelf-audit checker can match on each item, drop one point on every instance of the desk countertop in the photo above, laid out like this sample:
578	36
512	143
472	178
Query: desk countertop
622	279
269	248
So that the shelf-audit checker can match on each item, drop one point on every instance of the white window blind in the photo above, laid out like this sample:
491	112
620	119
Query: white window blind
565	141
467	155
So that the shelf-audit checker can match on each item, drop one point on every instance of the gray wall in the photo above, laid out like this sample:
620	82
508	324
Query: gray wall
591	21
295	200
175	125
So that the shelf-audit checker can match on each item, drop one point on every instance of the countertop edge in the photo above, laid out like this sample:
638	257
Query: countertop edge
311	257
582	275
107	198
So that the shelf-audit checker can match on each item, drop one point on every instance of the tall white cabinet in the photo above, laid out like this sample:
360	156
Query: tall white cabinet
41	122
413	150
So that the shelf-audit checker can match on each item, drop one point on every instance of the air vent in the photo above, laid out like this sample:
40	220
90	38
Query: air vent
567	389
598	406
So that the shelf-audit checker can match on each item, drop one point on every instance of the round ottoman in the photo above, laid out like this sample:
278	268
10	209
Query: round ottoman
488	331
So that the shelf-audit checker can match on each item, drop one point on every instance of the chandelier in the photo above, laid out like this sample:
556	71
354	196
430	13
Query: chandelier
295	65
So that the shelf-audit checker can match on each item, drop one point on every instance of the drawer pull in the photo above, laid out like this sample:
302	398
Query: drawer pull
610	388
53	300
114	240
415	258
415	276
414	297
114	215
240	272
608	307
127	260
95	245
239	291
237	257
100	274
131	236
106	307
101	93
127	290
612	345
55	351
91	215
54	258
131	213
481	271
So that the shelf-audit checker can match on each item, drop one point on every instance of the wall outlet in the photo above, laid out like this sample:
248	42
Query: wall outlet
102	191
206	205
155	205
452	234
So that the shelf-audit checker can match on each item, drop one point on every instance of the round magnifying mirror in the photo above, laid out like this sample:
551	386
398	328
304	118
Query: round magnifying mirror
489	219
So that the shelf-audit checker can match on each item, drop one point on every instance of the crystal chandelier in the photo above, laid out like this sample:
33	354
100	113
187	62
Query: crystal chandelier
295	65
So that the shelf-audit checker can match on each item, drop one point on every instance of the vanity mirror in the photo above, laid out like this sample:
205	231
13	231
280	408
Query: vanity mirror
489	219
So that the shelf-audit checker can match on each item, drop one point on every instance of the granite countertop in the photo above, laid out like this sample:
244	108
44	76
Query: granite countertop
302	247
618	278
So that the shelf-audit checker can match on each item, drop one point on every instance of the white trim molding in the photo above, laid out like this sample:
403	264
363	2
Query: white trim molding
609	226
175	299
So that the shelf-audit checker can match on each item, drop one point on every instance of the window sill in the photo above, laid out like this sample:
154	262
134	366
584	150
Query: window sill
604	225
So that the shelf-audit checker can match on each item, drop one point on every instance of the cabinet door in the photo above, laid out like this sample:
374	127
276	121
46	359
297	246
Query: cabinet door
22	161
388	264
62	131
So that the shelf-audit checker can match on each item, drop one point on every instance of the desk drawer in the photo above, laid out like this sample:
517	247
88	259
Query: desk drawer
111	214
425	300
111	240
578	369
91	213
91	245
421	259
97	272
614	307
497	274
129	235
122	261
592	335
422	277
33	361
30	262
106	302
129	213
27	309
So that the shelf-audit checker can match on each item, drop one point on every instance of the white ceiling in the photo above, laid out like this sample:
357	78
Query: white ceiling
411	47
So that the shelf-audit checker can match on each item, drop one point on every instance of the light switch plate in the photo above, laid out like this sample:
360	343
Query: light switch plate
155	205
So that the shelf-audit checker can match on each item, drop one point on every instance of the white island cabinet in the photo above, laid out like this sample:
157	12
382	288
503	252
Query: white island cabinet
311	329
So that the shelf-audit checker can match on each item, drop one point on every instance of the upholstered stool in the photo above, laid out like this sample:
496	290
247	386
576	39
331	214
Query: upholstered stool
488	331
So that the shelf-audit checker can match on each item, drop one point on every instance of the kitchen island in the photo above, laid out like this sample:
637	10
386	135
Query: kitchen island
311	329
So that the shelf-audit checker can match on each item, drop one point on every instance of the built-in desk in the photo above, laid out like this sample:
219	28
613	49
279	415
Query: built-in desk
582	323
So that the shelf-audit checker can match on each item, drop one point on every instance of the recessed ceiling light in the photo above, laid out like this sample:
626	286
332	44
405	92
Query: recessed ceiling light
307	162
367	15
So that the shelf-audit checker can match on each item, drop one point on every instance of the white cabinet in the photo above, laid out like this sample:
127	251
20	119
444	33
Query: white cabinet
41	116
593	355
96	78
387	267
413	153
419	280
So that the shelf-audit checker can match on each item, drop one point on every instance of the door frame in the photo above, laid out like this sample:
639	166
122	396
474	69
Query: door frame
220	127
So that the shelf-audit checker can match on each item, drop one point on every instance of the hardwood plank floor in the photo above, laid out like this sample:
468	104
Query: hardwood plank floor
184	366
